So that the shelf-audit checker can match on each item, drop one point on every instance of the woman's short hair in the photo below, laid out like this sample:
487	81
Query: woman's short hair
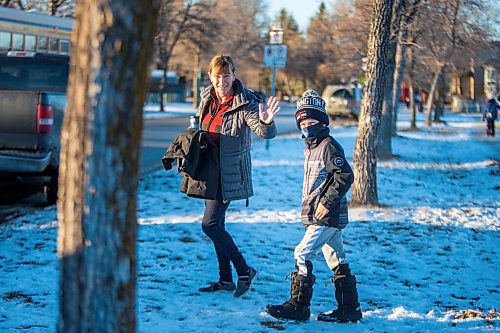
221	63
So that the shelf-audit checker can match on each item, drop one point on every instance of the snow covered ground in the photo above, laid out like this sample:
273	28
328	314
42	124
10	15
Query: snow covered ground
424	258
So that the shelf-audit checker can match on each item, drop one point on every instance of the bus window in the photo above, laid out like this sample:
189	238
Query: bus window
53	44
42	43
5	40
17	42
64	45
29	43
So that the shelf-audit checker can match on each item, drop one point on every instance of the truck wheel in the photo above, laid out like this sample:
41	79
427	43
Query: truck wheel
50	190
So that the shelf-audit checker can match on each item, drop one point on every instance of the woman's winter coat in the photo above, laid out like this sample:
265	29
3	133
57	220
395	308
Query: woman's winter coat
235	140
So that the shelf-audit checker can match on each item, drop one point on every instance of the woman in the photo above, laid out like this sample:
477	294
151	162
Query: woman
228	111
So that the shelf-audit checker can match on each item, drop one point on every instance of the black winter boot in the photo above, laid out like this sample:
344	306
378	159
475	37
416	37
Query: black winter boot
346	294
298	306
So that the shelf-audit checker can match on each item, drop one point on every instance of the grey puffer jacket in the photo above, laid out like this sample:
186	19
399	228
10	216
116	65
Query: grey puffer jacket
235	140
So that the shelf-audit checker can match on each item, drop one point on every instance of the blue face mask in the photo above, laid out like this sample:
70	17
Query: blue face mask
312	131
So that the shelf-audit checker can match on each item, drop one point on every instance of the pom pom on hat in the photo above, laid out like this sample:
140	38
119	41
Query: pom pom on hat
311	105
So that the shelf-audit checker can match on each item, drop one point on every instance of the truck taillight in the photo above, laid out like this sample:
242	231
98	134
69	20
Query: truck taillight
45	118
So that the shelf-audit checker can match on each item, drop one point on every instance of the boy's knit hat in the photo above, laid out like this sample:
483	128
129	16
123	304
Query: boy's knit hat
311	105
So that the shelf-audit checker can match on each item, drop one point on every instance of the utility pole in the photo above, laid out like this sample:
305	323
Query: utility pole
196	78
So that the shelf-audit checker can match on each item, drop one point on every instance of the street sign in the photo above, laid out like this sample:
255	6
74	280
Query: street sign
276	36
275	56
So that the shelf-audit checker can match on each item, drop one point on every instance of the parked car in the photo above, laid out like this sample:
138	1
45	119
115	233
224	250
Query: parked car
32	102
342	100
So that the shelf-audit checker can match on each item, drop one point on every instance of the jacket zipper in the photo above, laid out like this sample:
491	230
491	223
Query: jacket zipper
307	169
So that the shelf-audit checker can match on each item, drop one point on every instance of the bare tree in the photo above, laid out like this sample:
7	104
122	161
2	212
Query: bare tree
399	68
410	79
199	38
177	19
65	8
413	112
53	6
410	10
320	50
291	78
441	48
364	190
402	18
12	4
351	24
449	25
384	139
240	34
100	139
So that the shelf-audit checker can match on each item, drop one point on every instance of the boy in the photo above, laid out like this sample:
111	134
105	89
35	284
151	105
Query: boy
327	178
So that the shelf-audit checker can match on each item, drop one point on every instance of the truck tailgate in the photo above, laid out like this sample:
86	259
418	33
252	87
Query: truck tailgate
18	119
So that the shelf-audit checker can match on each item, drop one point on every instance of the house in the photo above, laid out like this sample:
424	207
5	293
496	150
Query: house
470	89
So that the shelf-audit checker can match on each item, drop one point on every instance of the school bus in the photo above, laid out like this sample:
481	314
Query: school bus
34	32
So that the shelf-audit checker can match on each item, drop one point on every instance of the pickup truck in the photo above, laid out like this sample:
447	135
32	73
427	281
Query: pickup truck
32	103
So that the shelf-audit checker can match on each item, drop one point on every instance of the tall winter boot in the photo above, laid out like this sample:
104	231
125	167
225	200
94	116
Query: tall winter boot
298	306
346	294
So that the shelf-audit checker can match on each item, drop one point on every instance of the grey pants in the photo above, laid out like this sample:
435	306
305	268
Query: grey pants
317	238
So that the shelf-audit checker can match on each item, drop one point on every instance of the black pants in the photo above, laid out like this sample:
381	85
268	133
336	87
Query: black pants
490	131
213	225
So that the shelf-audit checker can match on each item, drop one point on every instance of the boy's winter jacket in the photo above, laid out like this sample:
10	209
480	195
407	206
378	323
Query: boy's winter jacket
197	161
327	178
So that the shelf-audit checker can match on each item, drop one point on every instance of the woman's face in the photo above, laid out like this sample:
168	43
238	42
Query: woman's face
223	82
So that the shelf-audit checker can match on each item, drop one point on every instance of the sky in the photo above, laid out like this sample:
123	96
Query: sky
301	10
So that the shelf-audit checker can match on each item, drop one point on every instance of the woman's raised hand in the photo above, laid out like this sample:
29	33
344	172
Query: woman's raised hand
267	115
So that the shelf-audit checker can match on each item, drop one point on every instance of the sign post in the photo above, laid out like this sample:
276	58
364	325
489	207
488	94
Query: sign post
275	56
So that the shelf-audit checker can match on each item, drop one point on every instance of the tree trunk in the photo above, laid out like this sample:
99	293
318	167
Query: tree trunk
98	179
398	77
441	95
163	88
364	190
413	112
52	7
439	106
430	98
197	78
384	144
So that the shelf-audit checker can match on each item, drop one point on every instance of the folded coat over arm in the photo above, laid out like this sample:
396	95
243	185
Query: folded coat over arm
197	161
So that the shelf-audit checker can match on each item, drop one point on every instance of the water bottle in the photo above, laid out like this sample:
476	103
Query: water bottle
194	123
